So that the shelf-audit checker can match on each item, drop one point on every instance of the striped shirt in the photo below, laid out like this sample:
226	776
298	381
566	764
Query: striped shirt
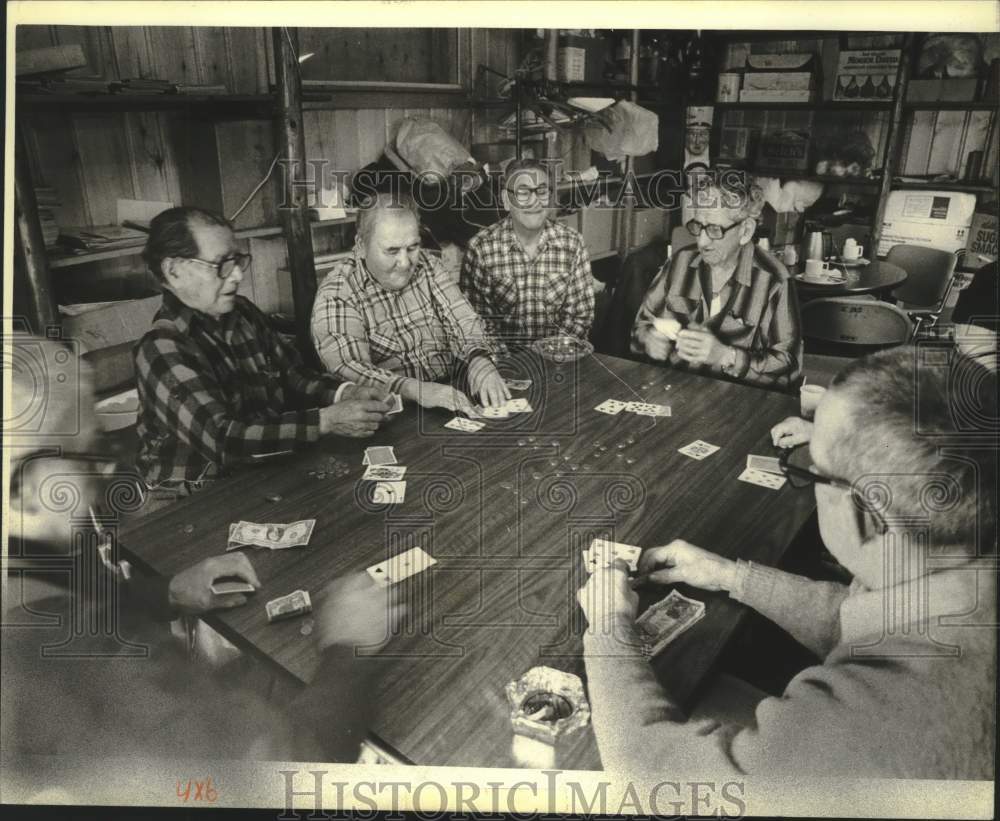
757	315
527	299
370	335
214	391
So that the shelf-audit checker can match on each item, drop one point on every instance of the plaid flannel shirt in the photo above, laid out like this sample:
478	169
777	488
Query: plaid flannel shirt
759	316
530	298
215	391
367	334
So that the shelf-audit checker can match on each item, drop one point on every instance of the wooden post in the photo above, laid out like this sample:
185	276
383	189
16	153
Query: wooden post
893	141
625	234
31	246
294	213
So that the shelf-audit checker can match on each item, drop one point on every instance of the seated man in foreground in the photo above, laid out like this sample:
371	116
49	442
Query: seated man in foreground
907	683
725	307
216	382
391	316
528	275
89	667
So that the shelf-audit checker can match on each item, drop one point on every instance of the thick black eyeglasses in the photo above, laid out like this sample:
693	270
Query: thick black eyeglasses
523	193
225	267
714	231
800	478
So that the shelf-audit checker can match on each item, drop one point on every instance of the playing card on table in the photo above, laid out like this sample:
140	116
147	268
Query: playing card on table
220	588
519	405
465	425
648	409
698	449
379	455
603	552
401	567
500	412
384	473
762	478
518	384
397	403
664	621
612	407
285	607
389	493
768	464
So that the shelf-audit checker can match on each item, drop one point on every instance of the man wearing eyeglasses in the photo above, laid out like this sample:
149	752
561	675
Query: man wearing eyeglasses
905	680
217	385
528	275
724	307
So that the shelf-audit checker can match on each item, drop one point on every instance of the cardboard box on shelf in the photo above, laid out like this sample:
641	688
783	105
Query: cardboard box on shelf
868	74
105	324
935	219
982	247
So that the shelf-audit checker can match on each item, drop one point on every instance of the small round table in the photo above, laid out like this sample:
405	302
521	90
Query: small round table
863	279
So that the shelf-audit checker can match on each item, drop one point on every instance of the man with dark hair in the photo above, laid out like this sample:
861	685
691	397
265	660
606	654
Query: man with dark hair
88	666
390	315
216	382
528	275
724	307
906	687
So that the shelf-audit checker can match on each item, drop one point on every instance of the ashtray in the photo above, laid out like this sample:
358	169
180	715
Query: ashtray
546	703
562	348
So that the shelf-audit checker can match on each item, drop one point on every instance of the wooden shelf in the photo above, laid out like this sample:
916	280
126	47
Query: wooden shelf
950	105
71	260
828	105
970	188
258	106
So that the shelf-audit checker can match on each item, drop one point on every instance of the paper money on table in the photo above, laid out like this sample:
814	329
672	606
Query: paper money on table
271	536
294	604
664	621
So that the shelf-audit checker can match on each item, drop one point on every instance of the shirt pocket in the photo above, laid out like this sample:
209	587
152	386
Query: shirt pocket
735	330
384	344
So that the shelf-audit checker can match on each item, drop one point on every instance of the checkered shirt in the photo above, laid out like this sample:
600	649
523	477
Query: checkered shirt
215	391
759	316
370	335
526	299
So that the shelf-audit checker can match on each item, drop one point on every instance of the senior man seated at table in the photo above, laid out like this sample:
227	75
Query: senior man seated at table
89	667
216	382
528	275
724	308
907	683
390	315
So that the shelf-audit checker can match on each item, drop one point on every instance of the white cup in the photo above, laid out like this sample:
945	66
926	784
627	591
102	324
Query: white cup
809	396
852	250
816	267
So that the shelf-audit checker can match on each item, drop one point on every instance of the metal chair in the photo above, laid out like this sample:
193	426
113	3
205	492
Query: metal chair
930	273
852	327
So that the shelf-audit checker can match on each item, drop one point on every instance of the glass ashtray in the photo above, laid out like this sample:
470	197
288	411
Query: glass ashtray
562	348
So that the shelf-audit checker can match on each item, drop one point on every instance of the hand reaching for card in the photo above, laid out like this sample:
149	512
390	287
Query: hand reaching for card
435	395
790	432
356	612
357	418
607	599
190	591
699	346
486	383
681	562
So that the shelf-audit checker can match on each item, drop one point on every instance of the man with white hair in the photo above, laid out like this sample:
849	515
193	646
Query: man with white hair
906	685
724	307
392	316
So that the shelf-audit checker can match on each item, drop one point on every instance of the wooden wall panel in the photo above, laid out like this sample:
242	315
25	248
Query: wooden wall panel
101	143
96	43
151	157
247	51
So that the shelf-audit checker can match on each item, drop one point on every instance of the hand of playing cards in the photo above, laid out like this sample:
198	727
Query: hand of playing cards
270	536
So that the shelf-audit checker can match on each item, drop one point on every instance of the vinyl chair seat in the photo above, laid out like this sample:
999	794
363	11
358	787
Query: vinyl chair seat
853	326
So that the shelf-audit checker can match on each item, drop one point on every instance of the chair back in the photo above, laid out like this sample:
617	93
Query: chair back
846	321
637	273
929	272
680	237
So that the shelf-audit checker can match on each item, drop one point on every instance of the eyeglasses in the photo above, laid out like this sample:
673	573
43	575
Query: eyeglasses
225	267
714	231
800	478
523	193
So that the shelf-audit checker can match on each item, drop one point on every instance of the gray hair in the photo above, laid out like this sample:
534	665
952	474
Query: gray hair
899	407
375	204
727	188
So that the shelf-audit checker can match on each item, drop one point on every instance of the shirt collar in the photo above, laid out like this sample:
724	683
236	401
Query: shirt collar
917	602
187	319
509	239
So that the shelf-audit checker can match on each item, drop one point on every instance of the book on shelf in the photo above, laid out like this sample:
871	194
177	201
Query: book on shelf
101	237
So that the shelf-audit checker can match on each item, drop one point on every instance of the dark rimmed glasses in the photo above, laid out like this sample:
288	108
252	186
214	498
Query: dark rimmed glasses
695	228
801	478
225	267
523	194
